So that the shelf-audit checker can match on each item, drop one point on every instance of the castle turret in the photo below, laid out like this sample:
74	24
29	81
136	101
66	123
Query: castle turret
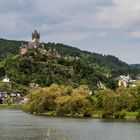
37	46
23	48
35	36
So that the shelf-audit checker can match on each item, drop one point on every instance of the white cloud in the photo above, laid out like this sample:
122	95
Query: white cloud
66	37
123	14
75	21
135	34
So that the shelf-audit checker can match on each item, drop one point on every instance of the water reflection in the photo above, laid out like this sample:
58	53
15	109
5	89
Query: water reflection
32	134
16	125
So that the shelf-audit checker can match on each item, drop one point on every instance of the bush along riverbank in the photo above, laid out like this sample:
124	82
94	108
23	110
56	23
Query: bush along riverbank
56	100
12	106
96	115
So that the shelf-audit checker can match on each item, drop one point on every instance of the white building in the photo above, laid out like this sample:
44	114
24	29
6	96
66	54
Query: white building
126	81
6	79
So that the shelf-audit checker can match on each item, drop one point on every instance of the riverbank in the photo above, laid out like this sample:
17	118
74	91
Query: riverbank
13	106
96	115
126	115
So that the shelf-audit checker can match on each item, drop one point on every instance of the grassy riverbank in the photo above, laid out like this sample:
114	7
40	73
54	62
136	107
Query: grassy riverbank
96	114
13	106
126	115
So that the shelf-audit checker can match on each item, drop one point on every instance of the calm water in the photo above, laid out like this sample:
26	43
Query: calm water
16	125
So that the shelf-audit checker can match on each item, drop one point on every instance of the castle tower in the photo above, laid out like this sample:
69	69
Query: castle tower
35	36
23	49
36	46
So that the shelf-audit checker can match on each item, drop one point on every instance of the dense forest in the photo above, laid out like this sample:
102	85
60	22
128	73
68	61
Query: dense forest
75	67
113	64
135	66
44	71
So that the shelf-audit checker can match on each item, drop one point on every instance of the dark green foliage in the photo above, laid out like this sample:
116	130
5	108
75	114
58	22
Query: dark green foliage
8	48
120	114
109	63
75	67
43	70
135	65
1	102
2	71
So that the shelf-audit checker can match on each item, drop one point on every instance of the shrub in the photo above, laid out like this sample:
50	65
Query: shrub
120	115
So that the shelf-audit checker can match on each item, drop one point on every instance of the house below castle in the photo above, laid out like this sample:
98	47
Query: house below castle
36	46
126	81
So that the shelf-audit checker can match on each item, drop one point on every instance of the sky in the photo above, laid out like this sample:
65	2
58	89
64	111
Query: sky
101	26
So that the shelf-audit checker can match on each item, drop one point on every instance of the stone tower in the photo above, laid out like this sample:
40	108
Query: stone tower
35	36
23	49
33	45
37	46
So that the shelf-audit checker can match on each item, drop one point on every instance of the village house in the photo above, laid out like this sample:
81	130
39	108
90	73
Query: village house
3	94
101	85
6	79
15	93
126	81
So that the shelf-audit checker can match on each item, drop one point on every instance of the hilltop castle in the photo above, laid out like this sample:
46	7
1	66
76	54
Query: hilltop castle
36	46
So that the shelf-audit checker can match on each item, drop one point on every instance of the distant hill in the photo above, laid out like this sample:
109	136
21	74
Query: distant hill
135	65
11	47
73	68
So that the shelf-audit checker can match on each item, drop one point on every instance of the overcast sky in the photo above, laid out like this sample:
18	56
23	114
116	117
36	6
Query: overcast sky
102	26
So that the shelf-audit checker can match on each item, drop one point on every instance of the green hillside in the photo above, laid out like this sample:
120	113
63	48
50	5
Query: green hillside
75	67
44	71
10	47
135	65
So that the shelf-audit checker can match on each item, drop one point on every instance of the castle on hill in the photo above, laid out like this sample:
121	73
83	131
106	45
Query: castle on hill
37	46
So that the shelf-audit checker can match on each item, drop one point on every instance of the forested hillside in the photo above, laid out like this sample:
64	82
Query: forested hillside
43	70
74	68
113	64
135	66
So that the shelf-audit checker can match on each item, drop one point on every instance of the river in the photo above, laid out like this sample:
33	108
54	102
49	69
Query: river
17	125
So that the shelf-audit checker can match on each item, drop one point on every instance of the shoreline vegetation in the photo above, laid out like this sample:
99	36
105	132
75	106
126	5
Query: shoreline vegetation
96	114
12	106
66	101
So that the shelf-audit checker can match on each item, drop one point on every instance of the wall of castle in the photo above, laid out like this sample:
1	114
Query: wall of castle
23	51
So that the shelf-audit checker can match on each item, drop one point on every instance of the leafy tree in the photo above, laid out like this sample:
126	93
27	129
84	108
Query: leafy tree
124	99
63	100
9	100
109	102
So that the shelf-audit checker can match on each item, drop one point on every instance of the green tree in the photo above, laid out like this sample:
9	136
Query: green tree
109	102
125	101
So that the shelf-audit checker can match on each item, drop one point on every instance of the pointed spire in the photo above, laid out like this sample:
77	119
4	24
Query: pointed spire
35	36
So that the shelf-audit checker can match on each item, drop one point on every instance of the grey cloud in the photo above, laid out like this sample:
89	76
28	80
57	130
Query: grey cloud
97	25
